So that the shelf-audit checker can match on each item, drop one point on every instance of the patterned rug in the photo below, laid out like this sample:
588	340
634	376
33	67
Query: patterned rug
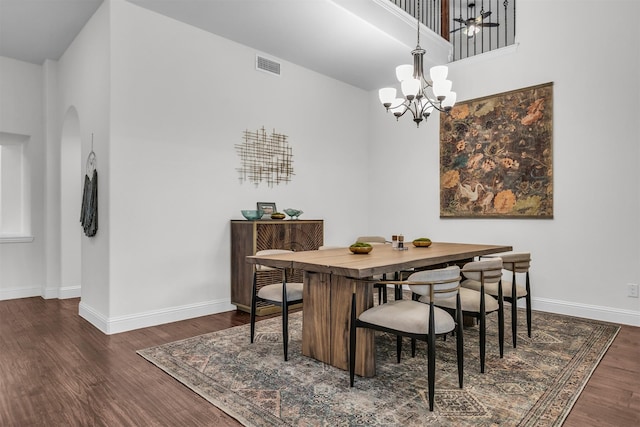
535	384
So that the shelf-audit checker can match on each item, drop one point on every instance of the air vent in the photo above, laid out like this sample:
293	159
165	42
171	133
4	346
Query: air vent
267	65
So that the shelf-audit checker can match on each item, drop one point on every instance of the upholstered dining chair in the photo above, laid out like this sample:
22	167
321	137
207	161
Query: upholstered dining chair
515	262
479	277
282	294
416	320
477	302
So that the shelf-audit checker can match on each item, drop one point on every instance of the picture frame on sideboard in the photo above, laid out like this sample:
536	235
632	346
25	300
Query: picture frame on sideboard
267	208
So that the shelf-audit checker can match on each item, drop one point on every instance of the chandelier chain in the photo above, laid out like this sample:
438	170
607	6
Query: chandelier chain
418	23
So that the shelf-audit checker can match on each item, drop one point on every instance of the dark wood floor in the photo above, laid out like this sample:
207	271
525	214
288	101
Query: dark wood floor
58	370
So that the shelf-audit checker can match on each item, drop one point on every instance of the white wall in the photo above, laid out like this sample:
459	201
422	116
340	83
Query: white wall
84	84
52	285
71	181
585	256
22	265
181	100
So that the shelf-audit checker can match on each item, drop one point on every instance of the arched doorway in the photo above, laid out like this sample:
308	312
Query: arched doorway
71	181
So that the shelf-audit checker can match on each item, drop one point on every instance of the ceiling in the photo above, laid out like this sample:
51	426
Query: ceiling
35	30
359	42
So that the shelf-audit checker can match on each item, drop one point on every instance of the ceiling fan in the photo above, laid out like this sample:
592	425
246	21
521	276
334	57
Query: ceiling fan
472	26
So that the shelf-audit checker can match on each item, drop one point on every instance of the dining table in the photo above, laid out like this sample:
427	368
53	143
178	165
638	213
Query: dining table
332	276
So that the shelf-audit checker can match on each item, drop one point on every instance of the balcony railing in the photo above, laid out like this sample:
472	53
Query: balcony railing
451	19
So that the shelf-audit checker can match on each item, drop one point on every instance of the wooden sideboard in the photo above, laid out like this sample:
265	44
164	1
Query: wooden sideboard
248	237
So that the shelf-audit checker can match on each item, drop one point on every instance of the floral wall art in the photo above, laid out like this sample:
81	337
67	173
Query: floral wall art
496	156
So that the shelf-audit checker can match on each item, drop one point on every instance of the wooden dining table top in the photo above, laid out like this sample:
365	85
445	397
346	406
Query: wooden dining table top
382	259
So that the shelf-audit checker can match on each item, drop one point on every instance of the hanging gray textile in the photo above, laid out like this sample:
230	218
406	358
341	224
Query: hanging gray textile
89	210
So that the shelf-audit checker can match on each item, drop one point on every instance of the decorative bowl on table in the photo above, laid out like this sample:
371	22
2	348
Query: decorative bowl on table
252	215
422	242
361	248
277	215
293	213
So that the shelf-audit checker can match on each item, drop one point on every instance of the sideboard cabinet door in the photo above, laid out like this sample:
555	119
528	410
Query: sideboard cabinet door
248	237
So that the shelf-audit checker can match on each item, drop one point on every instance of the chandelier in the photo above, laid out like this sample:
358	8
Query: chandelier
421	96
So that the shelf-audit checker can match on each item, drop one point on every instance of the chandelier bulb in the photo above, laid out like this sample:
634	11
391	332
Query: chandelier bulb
439	72
449	101
404	72
441	88
410	88
387	95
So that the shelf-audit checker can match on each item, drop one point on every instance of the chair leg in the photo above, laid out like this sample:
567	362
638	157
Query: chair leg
285	329
398	347
528	299
501	319
459	343
352	341
397	289
382	294
483	329
253	307
431	354
413	347
514	309
397	292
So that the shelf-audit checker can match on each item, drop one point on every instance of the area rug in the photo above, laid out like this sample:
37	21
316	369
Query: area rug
535	384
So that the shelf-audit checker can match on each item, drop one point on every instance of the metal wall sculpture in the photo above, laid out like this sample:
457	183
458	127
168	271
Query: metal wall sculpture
496	156
265	158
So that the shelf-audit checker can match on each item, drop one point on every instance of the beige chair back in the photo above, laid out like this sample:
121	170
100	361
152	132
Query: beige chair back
371	239
516	261
489	269
270	252
442	281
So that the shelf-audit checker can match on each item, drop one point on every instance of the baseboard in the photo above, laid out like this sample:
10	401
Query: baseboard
606	314
16	293
63	292
46	293
119	324
67	292
94	317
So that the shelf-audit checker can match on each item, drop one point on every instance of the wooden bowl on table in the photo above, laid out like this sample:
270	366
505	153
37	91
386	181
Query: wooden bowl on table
422	242
361	248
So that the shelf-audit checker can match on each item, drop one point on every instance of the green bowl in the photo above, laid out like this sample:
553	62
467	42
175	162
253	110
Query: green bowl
293	213
360	249
252	215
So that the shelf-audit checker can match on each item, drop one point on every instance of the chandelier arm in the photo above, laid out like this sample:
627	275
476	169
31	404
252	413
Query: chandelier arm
416	112
409	106
429	84
401	114
398	115
437	106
